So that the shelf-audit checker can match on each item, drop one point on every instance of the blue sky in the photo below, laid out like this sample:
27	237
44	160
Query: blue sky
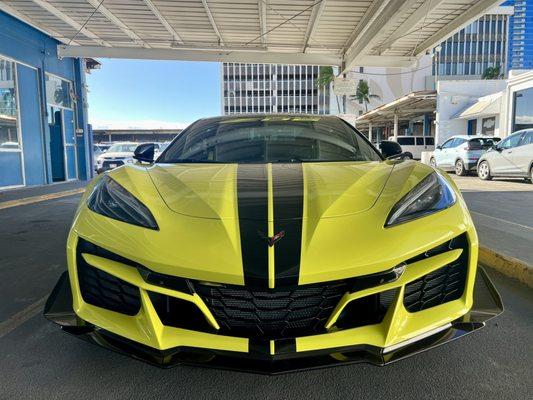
152	94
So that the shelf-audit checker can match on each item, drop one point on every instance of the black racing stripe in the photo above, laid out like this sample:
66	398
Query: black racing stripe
287	185
252	200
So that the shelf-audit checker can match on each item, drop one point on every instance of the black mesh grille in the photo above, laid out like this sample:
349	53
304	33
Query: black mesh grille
442	285
367	310
272	314
101	289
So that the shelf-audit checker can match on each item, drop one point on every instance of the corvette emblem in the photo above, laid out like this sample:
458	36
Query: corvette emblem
272	240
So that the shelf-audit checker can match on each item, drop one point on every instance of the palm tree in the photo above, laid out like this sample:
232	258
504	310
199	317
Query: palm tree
325	78
492	73
363	95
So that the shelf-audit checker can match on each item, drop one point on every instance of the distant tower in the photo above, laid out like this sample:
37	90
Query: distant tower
272	88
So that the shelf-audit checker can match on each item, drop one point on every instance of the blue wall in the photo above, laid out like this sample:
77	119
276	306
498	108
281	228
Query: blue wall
36	53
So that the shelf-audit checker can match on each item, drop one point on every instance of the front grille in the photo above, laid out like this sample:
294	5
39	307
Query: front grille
101	289
442	285
272	314
107	164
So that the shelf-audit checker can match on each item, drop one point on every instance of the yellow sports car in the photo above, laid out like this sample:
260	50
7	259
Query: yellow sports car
272	243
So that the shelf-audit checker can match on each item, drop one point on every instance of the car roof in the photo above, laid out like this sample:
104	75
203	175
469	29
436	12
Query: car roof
469	137
267	115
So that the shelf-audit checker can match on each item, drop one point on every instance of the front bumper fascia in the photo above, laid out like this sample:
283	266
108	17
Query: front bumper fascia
487	305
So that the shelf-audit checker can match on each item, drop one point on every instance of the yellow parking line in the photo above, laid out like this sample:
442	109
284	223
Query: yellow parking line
37	199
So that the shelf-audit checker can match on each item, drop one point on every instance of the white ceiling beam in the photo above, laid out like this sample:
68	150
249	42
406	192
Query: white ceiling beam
68	20
213	23
467	17
316	13
175	36
24	18
97	4
411	23
200	55
262	8
375	20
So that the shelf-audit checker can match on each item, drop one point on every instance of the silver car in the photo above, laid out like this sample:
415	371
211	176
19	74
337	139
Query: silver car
512	157
461	153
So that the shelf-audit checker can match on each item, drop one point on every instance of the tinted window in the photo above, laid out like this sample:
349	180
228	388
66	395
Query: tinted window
430	141
269	139
511	141
406	141
419	141
475	144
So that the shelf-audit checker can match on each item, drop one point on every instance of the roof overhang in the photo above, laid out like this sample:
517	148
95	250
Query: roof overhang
484	106
409	106
389	33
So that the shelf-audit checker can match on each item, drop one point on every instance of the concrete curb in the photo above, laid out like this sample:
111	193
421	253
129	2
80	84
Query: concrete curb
507	265
37	199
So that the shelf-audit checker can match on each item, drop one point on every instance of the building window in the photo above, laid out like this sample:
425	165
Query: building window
58	91
488	125
523	109
9	138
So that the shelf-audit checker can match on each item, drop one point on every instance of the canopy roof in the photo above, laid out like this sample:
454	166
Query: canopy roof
486	105
325	32
412	105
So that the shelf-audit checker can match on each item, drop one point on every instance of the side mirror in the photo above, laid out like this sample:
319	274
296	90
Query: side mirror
496	148
389	148
144	153
439	147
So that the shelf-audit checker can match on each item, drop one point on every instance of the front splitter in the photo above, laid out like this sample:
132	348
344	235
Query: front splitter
58	309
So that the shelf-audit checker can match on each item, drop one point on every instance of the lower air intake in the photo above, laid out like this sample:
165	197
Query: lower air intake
104	290
272	314
442	285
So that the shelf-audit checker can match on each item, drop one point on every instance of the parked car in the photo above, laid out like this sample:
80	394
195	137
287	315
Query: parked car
119	154
461	153
512	157
415	145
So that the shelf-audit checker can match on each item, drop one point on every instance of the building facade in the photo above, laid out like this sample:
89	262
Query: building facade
272	88
43	118
521	35
134	135
482	44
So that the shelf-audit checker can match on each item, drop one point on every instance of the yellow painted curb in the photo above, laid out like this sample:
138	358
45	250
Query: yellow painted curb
507	265
37	199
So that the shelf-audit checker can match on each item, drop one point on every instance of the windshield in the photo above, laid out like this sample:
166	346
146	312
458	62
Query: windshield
122	148
269	139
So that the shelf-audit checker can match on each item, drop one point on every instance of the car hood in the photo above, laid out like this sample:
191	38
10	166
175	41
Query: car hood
322	190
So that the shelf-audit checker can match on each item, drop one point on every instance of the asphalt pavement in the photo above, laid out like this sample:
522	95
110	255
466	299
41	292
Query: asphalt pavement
39	361
502	211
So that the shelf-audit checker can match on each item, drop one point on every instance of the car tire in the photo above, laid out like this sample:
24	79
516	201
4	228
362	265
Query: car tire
460	169
483	171
531	174
432	162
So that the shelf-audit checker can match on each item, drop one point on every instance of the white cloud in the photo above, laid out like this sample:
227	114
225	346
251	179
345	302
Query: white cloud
138	124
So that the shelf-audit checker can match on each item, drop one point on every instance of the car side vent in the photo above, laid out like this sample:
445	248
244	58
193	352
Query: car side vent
104	290
442	285
368	310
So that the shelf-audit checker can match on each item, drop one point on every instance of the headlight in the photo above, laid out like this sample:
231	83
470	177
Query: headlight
112	200
432	194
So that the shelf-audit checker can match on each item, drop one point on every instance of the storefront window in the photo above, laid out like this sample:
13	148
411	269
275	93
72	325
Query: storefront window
523	110
58	91
9	139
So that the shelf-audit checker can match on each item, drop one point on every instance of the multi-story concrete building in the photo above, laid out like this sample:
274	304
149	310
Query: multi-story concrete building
521	35
478	46
272	88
